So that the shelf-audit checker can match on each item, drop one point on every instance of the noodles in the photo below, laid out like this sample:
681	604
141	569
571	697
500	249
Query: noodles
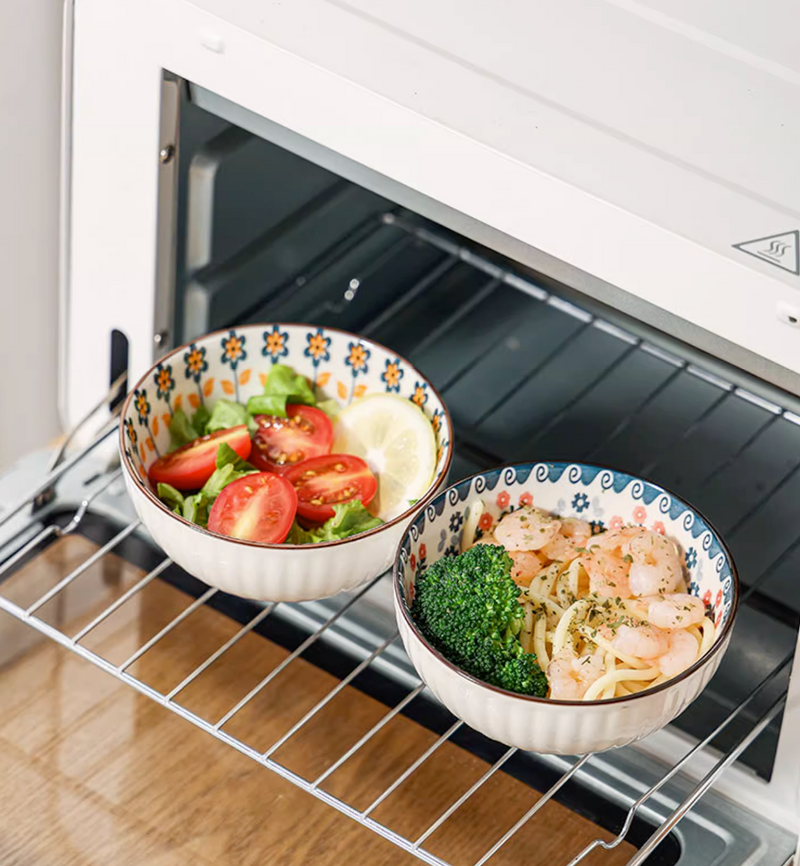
599	628
540	642
709	633
598	686
476	509
563	635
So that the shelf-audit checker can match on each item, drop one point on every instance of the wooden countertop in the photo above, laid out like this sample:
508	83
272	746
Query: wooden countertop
94	773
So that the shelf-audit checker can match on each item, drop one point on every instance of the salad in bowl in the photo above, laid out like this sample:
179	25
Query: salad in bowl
282	462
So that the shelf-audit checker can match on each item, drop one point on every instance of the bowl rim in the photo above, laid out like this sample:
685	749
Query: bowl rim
720	640
131	473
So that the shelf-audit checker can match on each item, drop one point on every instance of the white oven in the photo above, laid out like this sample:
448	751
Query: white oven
586	208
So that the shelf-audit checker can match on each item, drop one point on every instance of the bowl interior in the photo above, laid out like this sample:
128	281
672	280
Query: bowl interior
605	498
234	365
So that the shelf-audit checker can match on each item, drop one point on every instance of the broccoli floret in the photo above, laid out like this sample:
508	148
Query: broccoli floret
468	607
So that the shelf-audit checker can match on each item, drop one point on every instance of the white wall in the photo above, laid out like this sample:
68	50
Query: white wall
30	72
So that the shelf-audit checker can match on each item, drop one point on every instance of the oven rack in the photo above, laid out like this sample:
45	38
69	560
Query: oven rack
215	727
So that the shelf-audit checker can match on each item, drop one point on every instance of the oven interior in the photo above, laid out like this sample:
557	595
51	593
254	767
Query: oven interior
526	373
529	371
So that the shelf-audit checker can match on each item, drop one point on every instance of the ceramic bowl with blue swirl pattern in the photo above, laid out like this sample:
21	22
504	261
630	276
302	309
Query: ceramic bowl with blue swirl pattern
608	500
234	364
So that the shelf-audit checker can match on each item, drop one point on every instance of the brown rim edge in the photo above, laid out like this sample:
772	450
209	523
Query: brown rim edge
720	639
419	504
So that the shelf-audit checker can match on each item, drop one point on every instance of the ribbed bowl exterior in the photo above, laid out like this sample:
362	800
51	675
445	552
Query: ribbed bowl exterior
549	727
273	573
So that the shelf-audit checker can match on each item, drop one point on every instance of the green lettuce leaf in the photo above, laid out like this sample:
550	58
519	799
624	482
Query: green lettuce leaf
200	419
268	404
283	386
226	414
350	518
181	430
172	497
196	508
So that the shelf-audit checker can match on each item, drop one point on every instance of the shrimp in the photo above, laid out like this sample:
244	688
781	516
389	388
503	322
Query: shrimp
563	547
656	567
578	530
681	653
570	677
617	540
526	566
526	529
608	573
674	610
640	641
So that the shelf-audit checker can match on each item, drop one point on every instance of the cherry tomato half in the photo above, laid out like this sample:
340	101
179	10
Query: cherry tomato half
191	466
331	479
279	443
256	508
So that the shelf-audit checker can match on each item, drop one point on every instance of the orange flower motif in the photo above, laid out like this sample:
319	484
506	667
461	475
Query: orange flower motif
422	551
318	346
485	522
164	381
275	343
436	421
639	514
233	348
142	406
420	396
357	358
658	527
615	523
392	375
196	363
503	499
526	499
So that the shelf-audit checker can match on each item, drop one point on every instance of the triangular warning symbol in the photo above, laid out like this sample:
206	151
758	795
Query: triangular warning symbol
782	250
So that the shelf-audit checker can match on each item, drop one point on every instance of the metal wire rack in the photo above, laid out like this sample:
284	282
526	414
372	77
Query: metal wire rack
215	727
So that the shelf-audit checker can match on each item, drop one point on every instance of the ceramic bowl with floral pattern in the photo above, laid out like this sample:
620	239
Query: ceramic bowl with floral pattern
234	364
608	500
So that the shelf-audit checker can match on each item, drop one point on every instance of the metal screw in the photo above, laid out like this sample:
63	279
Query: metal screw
166	153
159	337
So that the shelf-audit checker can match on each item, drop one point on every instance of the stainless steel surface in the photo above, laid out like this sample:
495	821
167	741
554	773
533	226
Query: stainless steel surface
167	223
661	794
542	265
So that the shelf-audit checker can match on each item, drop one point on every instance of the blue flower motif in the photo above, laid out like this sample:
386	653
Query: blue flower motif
691	558
131	431
420	395
196	363
164	381
357	357
455	521
317	348
580	502
392	375
233	349
452	550
142	405
597	526
694	588
275	343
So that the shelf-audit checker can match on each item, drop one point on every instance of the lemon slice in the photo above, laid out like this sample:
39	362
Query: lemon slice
396	439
